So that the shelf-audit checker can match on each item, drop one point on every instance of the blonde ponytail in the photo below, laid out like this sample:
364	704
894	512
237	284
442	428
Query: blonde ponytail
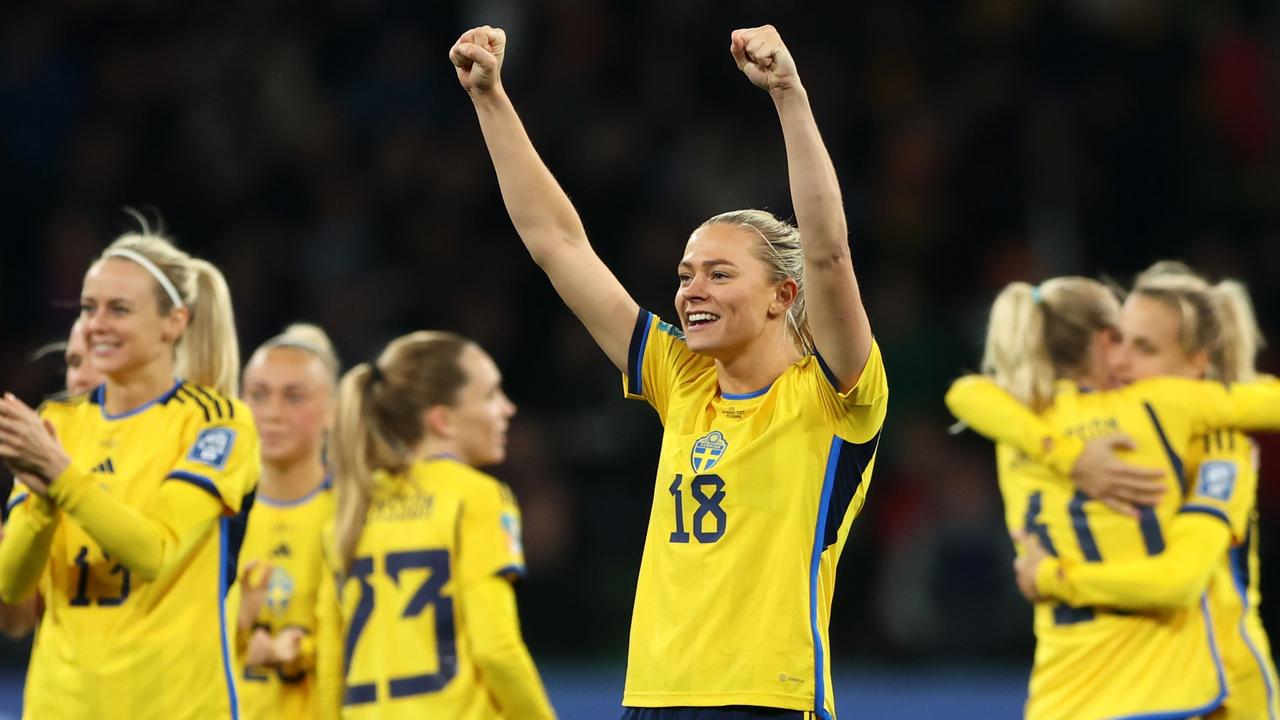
379	421
1240	338
209	351
1038	334
1015	354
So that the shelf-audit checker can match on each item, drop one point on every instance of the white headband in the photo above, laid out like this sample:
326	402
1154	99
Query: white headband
155	271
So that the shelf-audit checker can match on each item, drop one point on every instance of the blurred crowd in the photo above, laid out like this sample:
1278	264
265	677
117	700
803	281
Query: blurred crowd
327	160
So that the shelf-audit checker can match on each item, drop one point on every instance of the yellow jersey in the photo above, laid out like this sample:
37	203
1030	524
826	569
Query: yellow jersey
752	503
112	642
287	536
1100	661
430	535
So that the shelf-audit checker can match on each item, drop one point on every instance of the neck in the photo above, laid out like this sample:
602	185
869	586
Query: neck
756	368
433	446
291	480
137	388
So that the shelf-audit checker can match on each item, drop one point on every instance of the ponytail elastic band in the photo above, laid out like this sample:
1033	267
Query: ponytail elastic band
375	373
155	271
1036	296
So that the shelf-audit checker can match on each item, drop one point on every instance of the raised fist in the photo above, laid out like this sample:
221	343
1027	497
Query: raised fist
477	56
763	58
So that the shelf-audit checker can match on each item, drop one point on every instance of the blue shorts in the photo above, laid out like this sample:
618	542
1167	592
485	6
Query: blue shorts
728	712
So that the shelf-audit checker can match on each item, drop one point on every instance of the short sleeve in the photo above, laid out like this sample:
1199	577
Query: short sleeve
220	456
490	534
857	414
1226	480
657	360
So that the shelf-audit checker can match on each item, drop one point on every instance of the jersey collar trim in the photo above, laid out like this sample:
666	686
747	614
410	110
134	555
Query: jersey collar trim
99	396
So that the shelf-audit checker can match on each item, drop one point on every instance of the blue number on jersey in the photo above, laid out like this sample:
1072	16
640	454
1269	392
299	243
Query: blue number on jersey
428	593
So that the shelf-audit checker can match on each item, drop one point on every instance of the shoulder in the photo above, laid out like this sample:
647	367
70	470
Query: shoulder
208	405
61	406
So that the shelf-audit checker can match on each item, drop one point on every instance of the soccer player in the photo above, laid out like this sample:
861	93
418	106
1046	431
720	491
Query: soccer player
772	409
135	497
422	621
1050	347
290	385
20	618
1176	324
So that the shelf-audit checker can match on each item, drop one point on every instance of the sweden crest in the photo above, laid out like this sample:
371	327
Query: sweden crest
707	451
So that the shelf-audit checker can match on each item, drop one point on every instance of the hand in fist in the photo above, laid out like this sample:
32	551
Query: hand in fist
763	58
477	56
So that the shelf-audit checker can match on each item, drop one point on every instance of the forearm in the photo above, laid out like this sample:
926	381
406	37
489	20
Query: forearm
24	550
145	544
1174	578
500	654
540	210
815	190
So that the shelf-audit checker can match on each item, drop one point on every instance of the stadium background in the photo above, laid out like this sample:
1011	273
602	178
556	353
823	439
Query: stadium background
328	161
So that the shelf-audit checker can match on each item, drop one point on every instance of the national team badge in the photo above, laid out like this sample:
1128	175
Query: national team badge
279	590
707	451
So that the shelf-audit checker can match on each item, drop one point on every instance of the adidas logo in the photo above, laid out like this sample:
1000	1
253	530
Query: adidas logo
106	466
281	550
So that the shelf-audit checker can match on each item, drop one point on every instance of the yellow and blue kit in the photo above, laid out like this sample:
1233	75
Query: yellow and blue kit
286	535
134	552
753	500
424	621
1094	657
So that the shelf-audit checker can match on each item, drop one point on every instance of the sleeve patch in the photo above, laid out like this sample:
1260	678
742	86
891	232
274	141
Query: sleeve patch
511	528
1217	480
671	330
213	447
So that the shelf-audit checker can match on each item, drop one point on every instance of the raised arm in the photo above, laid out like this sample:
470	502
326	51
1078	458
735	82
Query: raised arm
540	210
837	317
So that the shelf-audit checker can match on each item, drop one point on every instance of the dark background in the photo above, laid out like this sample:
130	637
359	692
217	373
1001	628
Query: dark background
328	161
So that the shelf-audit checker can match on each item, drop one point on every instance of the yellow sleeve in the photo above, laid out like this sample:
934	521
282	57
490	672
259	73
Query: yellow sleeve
1225	484
1195	544
506	669
220	467
330	673
657	359
490	534
24	549
980	403
1211	405
856	414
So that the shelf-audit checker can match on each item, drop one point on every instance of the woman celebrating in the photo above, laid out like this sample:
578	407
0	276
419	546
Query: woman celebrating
290	385
772	409
138	496
423	622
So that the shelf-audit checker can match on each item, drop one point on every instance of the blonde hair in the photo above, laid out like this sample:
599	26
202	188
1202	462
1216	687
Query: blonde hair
208	353
781	251
311	338
1217	318
1038	334
379	420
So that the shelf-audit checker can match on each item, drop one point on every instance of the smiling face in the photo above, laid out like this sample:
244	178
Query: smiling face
727	300
291	396
123	325
478	417
1153	342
